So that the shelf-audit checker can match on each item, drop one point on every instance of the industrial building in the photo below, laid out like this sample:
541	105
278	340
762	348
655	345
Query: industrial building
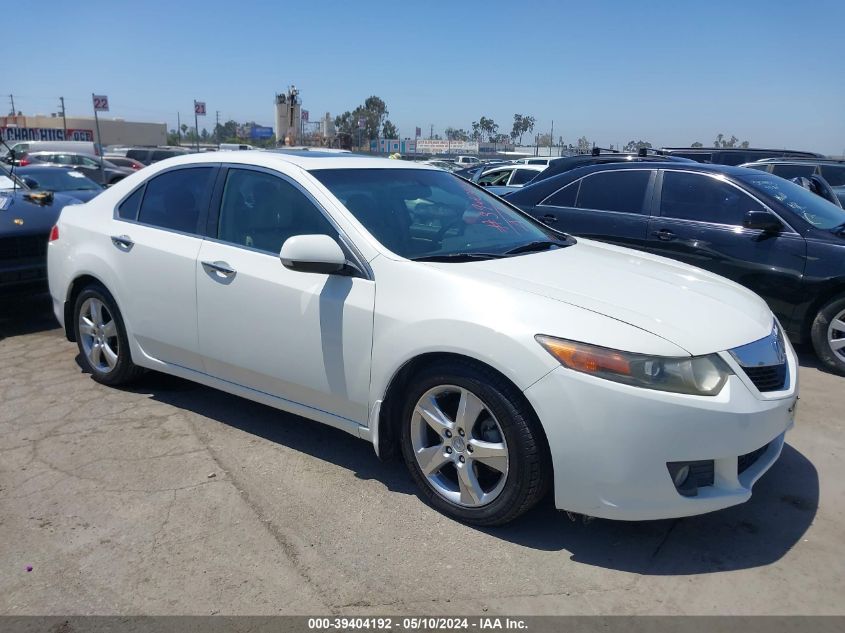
56	128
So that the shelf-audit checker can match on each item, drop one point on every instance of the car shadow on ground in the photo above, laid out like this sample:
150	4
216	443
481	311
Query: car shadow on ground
753	534
26	314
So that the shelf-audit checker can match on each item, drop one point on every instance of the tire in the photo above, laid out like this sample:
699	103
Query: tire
112	364
470	449
828	328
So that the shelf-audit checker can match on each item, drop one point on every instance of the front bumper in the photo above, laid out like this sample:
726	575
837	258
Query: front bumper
611	443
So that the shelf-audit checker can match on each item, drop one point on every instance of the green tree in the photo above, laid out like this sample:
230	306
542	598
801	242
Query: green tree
584	145
697	144
634	146
732	142
389	130
522	123
456	135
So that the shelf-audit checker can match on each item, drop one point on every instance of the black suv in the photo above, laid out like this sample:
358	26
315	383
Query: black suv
764	232
150	155
833	171
733	155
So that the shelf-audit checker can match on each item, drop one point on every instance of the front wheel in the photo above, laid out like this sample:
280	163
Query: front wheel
828	334
101	337
473	445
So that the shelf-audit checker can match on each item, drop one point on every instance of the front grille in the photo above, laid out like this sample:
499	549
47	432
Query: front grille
747	461
767	378
23	246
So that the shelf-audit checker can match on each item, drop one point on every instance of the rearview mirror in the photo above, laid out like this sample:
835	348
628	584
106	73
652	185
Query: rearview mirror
762	221
313	254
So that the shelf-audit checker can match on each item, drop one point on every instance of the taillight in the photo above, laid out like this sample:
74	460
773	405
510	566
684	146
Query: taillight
23	162
54	233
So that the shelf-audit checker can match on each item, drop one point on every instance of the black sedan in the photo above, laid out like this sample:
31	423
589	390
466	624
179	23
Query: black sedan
26	218
59	180
764	232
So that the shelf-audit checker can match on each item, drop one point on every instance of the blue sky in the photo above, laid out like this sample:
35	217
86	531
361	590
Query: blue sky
669	72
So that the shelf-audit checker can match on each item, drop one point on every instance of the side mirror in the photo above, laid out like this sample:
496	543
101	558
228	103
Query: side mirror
762	221
313	254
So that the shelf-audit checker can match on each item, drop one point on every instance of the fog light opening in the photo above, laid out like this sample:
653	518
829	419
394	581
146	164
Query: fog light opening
685	483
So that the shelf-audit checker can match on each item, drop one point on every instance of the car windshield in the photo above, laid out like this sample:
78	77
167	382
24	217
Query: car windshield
6	182
419	213
61	180
807	205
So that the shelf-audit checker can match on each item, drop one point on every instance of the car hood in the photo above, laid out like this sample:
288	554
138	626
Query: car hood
696	310
21	216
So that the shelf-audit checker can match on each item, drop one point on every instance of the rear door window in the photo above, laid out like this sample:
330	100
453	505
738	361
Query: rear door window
622	190
128	209
522	176
175	199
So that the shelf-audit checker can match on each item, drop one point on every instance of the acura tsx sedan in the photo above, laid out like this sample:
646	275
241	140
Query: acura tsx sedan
409	307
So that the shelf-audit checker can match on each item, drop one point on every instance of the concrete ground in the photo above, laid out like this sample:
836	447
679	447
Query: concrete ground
171	498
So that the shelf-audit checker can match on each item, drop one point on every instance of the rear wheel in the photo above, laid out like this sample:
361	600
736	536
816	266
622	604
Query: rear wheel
828	334
473	445
101	338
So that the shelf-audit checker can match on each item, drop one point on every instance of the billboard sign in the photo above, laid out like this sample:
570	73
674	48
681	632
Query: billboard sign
261	132
44	134
199	108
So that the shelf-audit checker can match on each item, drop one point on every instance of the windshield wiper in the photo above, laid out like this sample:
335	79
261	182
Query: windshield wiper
457	257
539	245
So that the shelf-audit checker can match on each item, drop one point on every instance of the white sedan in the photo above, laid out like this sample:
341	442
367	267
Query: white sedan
412	309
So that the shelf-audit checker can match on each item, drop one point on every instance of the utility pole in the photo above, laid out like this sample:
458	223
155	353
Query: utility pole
431	132
179	129
12	99
64	118
552	137
217	127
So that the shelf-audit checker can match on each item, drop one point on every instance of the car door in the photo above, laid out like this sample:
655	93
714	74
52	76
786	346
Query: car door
611	206
299	336
155	240
699	221
90	168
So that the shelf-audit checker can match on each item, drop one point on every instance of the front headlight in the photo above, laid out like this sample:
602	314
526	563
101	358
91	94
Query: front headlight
695	375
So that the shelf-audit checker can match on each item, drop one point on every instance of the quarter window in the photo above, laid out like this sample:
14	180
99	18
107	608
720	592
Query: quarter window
565	197
690	196
174	200
622	190
128	209
790	171
261	211
834	174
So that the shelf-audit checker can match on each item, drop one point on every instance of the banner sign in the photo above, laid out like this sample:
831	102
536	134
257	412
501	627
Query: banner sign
44	134
435	146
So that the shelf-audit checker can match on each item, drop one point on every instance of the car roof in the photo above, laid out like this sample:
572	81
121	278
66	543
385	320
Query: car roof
797	160
36	168
305	159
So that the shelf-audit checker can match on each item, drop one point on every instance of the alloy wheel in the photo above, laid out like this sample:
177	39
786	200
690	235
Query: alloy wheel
459	446
836	335
98	334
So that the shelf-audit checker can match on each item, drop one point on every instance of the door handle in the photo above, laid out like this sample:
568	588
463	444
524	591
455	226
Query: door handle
664	234
123	242
221	268
549	218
